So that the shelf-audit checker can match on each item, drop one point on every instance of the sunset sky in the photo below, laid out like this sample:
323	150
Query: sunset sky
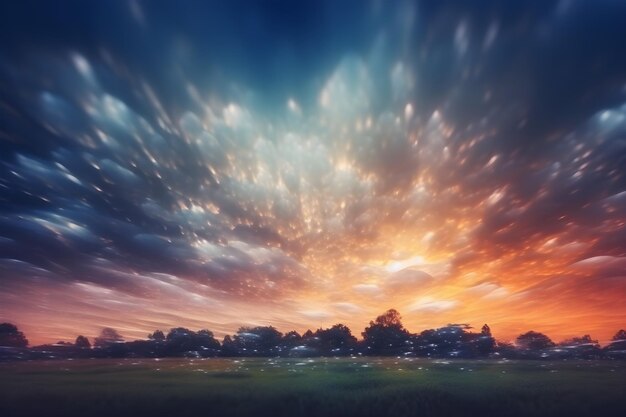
212	165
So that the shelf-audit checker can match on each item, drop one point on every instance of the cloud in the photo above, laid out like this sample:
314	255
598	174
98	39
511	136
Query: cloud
428	305
346	307
408	278
488	290
454	160
368	289
316	314
601	265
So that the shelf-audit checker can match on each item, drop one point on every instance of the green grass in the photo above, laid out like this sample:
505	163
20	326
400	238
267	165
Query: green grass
374	387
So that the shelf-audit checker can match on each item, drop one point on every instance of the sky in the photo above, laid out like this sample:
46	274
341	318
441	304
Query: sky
299	164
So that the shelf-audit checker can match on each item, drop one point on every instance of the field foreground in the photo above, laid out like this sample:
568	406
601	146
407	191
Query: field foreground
374	387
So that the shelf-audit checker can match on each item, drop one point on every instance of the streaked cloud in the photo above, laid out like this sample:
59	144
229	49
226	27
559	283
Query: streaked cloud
444	166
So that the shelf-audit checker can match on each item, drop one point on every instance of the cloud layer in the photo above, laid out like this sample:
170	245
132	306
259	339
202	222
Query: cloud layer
456	167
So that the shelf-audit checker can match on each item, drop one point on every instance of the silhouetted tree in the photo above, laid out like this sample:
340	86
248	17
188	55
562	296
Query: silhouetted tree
618	343
455	340
207	342
10	336
292	337
336	340
506	349
390	318
108	336
157	336
309	345
82	342
110	343
481	344
579	341
144	349
295	345
290	341
386	334
60	349
229	347
180	340
258	341
533	341
582	347
619	336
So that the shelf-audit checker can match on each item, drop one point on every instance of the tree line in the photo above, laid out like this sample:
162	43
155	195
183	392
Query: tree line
384	336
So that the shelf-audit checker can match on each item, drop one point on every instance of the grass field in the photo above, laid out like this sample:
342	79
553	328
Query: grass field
311	387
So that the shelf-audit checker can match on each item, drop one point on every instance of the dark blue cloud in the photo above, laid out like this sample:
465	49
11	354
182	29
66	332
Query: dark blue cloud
177	137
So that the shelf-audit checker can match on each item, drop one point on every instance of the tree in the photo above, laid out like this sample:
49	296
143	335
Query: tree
108	337
82	342
386	334
619	336
157	336
229	347
177	333
584	347
579	341
336	340
110	343
618	342
455	340
390	318
482	343
533	341
290	340
258	341
10	336
207	341
506	349
180	340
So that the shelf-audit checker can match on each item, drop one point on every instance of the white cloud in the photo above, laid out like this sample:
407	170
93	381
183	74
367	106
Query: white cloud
430	305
